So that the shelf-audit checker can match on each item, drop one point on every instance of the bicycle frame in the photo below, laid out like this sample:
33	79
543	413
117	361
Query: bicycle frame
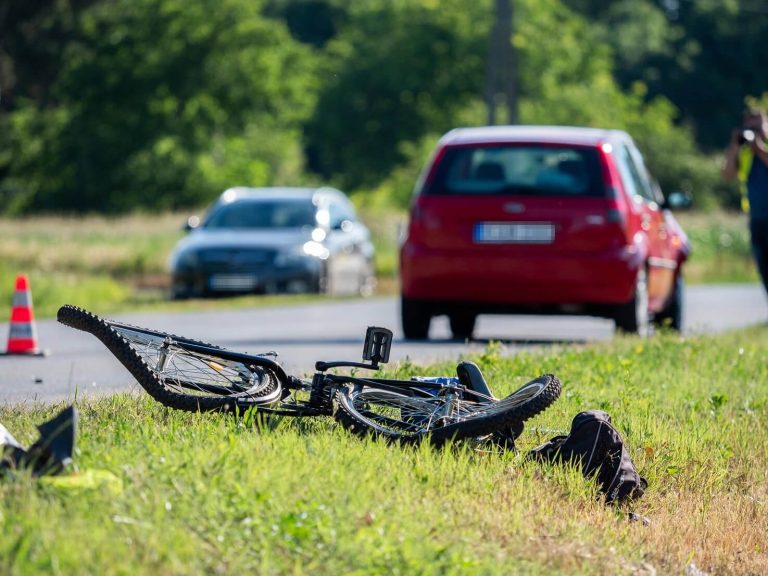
322	388
322	385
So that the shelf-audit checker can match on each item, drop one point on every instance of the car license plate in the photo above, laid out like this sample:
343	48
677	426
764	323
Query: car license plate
233	282
507	233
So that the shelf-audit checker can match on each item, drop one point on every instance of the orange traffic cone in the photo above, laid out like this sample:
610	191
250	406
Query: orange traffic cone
22	339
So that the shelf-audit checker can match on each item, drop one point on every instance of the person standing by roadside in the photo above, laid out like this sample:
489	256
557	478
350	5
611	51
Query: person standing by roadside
746	158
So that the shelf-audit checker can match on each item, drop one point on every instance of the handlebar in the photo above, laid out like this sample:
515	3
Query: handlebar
322	366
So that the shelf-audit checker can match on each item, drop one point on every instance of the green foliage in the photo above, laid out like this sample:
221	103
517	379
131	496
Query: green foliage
702	56
395	72
557	50
159	102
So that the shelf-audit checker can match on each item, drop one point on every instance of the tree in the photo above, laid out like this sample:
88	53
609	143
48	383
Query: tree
704	57
155	101
394	72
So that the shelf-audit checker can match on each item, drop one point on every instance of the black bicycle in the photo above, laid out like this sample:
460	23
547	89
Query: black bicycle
191	375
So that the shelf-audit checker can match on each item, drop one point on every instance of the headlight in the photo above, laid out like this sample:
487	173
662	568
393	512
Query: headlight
316	249
302	255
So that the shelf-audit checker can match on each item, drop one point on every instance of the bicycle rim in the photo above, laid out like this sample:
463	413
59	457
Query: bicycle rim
206	379
196	373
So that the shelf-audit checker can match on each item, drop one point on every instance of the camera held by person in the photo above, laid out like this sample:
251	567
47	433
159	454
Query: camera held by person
746	136
753	128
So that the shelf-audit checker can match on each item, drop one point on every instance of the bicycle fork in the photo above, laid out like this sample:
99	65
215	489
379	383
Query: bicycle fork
449	411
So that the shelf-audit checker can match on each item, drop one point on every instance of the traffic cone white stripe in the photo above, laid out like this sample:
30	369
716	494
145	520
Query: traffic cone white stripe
22	300
22	331
22	337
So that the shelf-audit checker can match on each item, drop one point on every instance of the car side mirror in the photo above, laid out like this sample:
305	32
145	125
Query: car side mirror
678	200
191	223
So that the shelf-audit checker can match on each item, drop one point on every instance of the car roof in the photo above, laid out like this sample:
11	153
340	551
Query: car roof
277	193
579	136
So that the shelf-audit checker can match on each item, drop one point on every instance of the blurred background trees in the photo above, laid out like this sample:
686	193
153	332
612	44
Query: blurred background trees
118	105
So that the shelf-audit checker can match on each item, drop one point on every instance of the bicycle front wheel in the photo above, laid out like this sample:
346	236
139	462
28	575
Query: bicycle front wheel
393	415
179	372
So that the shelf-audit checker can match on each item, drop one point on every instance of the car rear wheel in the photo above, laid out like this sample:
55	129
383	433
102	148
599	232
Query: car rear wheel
672	315
415	317
632	317
462	324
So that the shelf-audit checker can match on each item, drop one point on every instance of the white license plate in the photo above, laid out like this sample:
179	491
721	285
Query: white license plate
233	282
507	233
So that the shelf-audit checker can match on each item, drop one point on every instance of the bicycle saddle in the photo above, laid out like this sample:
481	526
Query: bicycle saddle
472	378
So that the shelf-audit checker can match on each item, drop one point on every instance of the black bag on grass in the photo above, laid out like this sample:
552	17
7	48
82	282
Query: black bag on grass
598	448
51	454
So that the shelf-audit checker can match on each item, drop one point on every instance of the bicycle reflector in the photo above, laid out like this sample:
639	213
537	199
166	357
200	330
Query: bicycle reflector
378	341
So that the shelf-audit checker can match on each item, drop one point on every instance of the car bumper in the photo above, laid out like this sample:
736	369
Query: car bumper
197	283
557	279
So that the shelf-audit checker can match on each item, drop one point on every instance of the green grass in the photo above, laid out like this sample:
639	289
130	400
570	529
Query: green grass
210	494
117	264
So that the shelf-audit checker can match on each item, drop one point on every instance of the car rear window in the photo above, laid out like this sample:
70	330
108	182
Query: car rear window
263	214
526	170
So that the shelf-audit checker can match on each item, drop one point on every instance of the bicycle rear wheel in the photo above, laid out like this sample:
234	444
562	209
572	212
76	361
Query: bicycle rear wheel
409	417
179	372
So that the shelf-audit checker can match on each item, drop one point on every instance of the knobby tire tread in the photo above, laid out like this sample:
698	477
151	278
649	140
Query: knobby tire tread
504	419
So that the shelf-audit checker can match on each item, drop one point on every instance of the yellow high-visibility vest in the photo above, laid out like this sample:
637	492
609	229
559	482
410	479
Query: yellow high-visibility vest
745	165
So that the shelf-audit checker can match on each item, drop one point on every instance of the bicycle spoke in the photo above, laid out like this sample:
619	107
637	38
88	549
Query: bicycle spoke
189	371
518	398
398	413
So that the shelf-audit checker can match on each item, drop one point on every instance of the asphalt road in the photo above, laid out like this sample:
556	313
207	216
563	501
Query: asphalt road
80	364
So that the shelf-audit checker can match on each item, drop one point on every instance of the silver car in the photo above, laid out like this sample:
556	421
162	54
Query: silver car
275	240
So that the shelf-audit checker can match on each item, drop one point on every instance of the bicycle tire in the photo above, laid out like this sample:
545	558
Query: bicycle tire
367	410
201	380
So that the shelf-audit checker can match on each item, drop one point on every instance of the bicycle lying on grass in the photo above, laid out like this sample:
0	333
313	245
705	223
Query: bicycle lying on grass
191	375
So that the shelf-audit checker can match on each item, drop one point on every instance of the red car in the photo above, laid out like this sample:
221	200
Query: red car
541	220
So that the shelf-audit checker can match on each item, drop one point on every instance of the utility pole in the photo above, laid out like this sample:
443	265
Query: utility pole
501	67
